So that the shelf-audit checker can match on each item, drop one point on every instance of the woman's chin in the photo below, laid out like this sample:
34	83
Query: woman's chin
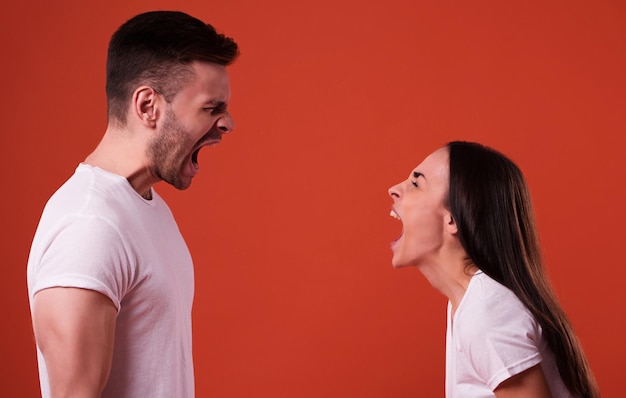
397	262
403	261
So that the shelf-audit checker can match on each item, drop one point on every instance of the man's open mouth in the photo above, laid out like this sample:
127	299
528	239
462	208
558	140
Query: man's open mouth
211	141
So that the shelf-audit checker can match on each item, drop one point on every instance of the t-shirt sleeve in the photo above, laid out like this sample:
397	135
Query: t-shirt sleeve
85	252
502	341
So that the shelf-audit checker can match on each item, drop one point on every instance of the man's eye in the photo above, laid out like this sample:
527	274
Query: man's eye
414	183
214	110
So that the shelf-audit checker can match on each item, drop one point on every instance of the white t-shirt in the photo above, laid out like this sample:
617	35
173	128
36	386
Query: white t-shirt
98	233
491	338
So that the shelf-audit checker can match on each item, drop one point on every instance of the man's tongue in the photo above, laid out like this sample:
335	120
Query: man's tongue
191	167
194	157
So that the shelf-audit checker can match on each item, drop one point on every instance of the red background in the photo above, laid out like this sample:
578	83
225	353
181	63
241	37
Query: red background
335	101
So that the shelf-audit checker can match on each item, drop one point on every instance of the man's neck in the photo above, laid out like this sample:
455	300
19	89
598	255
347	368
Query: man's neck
123	154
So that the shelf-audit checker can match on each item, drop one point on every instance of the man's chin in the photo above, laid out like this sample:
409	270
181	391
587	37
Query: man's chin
179	183
182	187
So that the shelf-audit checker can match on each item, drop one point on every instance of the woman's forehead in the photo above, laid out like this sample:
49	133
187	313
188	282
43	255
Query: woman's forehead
434	165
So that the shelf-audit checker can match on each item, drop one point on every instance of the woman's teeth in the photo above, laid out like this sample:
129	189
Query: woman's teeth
394	214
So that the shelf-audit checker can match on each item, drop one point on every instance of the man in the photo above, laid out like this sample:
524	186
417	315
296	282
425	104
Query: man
110	278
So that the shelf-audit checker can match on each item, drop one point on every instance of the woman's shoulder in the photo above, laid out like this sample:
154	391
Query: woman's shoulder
489	306
487	291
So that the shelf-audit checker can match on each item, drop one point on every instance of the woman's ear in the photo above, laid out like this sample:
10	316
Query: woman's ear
146	105
451	226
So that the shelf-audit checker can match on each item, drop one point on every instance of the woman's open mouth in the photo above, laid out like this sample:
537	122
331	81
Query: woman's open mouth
395	215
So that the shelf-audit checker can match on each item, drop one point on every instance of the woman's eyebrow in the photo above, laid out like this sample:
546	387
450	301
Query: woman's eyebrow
417	174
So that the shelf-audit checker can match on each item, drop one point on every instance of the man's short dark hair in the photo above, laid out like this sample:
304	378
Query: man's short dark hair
155	48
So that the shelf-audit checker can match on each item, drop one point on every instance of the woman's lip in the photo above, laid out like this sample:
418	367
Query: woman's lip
393	213
397	239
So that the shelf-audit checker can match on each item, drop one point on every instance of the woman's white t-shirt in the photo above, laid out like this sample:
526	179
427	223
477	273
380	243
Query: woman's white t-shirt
491	338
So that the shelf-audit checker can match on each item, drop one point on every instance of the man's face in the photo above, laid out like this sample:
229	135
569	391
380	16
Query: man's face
195	118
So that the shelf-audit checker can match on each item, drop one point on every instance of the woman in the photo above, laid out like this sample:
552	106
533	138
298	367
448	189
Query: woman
468	226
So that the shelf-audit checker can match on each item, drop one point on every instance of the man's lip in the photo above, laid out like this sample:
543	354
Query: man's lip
210	141
207	141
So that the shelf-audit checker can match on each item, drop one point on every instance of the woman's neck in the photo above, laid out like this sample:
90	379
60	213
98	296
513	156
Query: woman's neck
450	278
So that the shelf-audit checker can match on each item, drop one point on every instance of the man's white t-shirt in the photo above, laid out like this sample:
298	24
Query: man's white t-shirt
96	232
491	338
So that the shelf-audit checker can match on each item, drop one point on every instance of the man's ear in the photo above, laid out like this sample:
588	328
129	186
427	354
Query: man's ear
146	105
451	225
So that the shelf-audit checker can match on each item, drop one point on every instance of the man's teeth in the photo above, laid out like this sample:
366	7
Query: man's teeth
394	215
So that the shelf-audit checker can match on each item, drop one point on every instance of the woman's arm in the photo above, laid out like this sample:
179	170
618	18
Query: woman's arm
530	383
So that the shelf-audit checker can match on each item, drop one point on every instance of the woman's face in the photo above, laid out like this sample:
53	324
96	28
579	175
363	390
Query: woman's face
418	202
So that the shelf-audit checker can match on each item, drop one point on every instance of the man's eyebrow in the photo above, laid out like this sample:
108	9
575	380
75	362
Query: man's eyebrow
216	102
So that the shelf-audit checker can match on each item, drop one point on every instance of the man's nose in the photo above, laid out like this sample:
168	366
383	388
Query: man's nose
226	124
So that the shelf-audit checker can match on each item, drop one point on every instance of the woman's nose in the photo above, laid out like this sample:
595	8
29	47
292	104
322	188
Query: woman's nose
394	191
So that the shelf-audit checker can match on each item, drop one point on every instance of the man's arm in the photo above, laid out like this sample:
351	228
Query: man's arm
530	383
75	329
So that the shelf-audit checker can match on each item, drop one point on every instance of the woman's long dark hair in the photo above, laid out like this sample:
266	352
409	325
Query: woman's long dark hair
491	205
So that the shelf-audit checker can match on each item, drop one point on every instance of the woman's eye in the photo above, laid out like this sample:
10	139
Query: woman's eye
414	183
